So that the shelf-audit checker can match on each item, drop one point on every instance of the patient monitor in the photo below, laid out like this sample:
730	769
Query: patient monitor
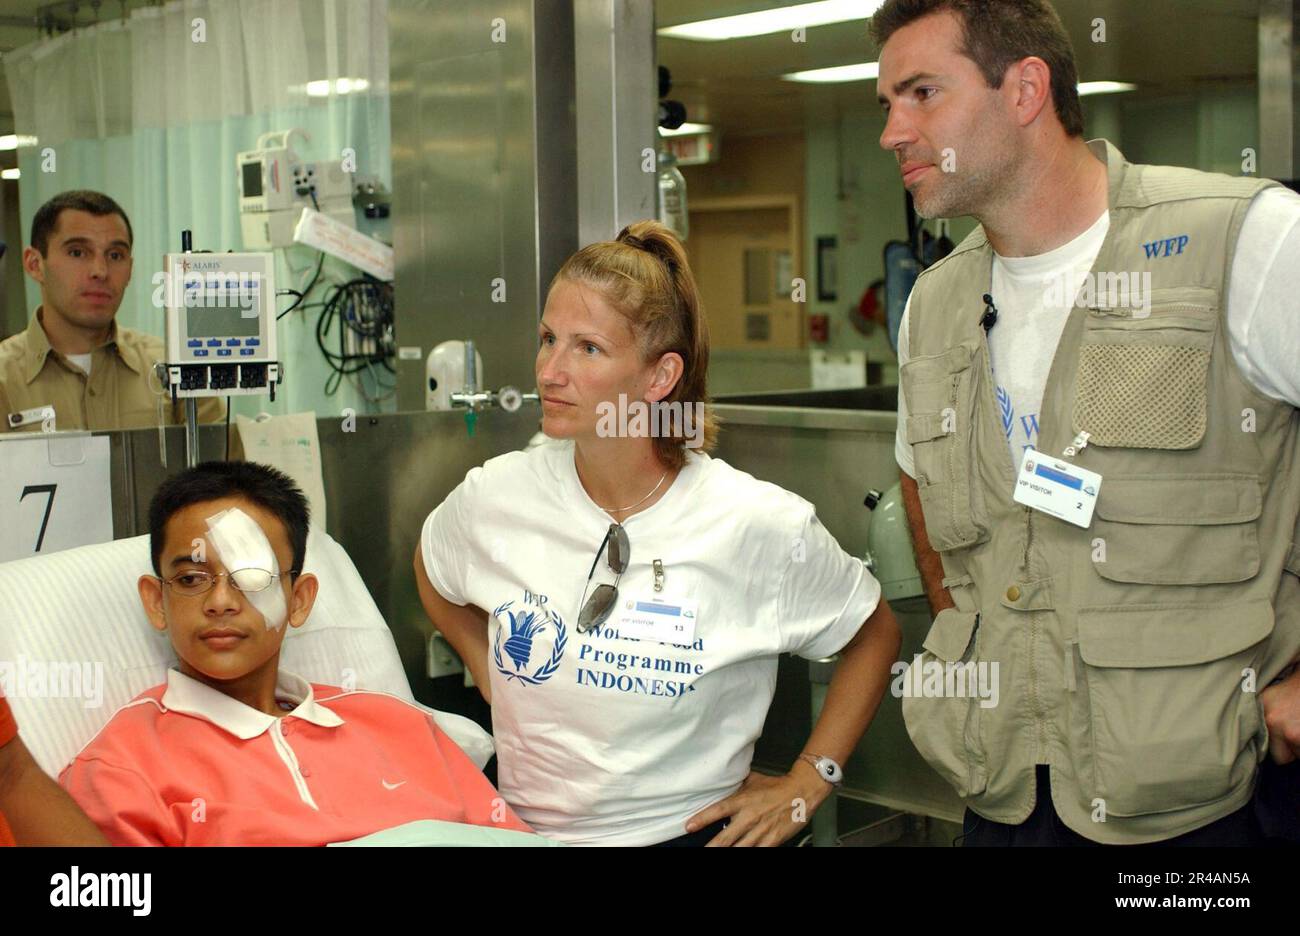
276	184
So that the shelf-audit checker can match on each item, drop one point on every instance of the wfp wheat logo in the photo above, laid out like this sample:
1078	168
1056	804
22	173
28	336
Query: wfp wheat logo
518	635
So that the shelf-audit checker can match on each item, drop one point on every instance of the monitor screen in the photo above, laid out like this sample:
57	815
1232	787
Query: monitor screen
253	179
228	321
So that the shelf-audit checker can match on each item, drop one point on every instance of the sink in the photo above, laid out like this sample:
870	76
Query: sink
880	398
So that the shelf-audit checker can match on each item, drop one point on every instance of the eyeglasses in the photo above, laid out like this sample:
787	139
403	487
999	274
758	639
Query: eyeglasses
596	609
196	582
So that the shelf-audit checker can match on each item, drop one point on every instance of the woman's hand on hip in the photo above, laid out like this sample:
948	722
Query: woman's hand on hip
765	810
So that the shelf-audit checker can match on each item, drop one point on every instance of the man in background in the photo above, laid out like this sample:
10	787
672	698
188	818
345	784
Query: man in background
74	367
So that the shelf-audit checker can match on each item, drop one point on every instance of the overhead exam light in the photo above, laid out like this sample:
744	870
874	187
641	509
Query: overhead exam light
782	19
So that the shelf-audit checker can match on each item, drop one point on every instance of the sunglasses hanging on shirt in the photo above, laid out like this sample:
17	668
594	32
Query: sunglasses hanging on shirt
596	609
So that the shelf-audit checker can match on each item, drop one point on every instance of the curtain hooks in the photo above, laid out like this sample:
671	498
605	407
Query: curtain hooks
50	18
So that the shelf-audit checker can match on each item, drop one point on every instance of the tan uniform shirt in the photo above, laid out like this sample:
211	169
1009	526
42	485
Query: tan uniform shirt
121	391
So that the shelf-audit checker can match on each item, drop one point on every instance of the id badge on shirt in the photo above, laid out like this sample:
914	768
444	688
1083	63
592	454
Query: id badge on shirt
1057	487
665	620
39	415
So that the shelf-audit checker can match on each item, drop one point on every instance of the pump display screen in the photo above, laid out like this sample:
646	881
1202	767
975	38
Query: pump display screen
252	179
227	321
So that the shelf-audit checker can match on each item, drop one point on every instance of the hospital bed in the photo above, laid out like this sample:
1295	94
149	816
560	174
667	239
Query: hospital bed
77	645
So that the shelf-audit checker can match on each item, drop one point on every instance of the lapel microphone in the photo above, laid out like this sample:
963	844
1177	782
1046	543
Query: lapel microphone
990	316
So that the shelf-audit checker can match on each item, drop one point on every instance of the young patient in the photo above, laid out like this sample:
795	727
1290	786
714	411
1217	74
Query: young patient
232	749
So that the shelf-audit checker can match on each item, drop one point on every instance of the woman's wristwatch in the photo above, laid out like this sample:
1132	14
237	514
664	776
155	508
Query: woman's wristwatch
829	770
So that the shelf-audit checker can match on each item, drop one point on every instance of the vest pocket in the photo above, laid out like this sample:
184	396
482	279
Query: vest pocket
943	725
1142	382
1171	724
940	393
1179	529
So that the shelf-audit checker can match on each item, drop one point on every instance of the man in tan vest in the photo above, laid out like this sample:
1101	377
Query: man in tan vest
1100	446
74	367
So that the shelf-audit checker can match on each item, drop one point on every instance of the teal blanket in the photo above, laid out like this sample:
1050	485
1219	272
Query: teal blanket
436	833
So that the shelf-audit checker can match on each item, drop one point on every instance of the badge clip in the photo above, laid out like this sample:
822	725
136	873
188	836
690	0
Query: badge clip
1078	445
659	575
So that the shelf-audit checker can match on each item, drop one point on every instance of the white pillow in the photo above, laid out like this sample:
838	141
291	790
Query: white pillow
77	616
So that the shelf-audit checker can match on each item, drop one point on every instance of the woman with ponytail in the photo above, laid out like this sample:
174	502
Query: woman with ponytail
621	598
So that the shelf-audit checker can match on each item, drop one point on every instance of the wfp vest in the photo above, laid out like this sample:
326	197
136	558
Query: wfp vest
1130	654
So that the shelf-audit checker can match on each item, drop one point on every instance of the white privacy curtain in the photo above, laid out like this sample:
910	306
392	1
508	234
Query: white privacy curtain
152	110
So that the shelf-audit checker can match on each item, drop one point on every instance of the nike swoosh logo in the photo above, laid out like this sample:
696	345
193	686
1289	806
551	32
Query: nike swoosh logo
391	786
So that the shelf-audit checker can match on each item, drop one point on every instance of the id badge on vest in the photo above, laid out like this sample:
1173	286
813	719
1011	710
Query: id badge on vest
1057	487
654	617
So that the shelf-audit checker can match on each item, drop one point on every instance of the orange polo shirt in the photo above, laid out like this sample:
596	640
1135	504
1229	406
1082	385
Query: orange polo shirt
185	764
8	731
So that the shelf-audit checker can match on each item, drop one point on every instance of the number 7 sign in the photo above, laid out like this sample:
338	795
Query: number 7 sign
55	493
45	521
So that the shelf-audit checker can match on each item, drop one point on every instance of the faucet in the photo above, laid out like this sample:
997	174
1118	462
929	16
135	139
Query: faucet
474	399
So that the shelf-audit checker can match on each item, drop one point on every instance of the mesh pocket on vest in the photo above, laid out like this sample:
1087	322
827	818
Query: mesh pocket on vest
1142	396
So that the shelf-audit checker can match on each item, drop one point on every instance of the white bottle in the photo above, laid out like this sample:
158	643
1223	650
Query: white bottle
672	196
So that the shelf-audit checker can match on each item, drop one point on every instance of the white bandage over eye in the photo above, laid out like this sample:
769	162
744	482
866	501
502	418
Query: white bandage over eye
243	549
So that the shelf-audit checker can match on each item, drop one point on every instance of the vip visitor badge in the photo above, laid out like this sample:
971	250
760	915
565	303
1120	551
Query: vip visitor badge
660	619
1057	487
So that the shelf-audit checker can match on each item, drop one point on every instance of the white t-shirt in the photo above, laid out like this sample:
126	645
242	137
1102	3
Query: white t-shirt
1263	325
602	739
81	361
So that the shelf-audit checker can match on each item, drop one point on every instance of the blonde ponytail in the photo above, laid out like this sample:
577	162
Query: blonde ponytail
644	274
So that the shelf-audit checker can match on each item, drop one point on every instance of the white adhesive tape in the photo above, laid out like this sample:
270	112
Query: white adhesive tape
240	544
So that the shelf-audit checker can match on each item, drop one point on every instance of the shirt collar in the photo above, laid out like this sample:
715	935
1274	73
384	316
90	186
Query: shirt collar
188	696
38	347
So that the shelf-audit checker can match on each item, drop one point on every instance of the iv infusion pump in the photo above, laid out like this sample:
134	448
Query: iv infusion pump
220	327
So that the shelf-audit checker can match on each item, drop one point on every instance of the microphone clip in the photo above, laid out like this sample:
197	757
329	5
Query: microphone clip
990	316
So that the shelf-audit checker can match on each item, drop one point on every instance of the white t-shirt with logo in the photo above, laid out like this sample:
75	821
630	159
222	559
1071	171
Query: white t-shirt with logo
1263	325
603	739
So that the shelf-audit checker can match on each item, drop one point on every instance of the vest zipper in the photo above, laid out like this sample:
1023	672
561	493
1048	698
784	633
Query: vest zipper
954	388
1167	319
1035	705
